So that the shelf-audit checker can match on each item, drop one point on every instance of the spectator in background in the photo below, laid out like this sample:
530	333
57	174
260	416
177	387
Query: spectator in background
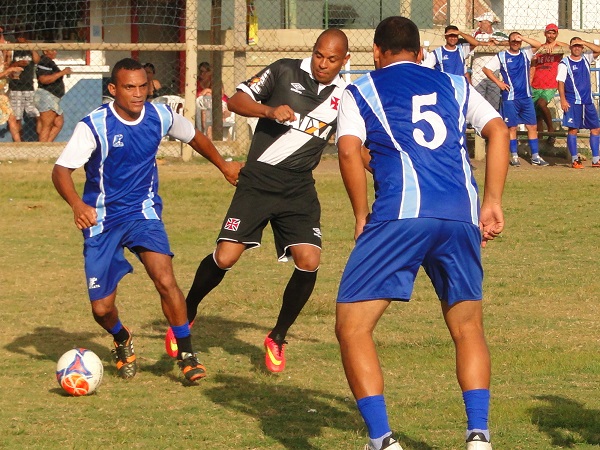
21	88
153	84
576	101
6	112
204	78
451	57
544	67
517	106
485	32
51	88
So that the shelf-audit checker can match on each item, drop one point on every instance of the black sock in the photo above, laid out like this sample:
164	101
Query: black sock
208	276
184	345
295	296
122	335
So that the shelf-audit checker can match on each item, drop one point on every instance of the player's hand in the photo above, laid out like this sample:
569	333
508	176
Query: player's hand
67	71
85	216
564	105
504	87
231	171
491	222
282	114
360	225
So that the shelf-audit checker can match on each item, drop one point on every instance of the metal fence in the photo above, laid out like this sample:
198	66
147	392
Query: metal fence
236	38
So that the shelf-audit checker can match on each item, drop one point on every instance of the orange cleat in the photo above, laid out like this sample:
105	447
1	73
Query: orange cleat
275	354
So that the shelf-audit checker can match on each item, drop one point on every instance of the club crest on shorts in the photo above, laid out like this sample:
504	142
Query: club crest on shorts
232	224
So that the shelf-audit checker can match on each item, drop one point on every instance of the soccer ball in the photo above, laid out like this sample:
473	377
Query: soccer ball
79	371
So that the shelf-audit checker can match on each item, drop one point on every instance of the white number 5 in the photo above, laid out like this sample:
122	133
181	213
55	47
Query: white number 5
432	118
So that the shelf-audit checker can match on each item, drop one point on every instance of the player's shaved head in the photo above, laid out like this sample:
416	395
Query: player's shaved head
330	53
334	34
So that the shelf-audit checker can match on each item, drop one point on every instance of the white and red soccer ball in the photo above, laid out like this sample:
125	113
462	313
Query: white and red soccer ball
79	372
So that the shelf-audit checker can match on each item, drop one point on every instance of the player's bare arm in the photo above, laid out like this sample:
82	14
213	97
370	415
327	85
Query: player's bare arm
491	218
205	147
470	39
354	177
564	104
501	84
533	42
243	104
84	215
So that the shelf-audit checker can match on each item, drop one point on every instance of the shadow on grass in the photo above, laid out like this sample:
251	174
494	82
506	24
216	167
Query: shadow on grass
49	343
566	421
291	415
216	331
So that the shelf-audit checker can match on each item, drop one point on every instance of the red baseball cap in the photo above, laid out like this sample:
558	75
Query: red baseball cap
551	26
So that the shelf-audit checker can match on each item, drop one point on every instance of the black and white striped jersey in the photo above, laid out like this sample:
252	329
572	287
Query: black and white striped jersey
298	145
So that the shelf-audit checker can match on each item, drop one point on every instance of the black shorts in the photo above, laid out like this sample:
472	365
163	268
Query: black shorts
288	200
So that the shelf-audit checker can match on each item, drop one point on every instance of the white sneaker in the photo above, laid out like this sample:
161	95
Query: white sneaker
389	443
477	441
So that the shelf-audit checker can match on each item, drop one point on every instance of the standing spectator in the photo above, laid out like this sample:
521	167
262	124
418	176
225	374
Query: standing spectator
121	208
51	88
575	90
544	67
451	57
153	84
297	116
485	32
21	90
7	115
425	214
517	106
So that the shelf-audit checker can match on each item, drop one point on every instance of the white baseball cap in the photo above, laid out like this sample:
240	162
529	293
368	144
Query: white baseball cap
489	16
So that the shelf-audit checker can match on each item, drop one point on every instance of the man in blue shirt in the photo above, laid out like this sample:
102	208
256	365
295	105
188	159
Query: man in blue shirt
451	57
517	105
426	213
120	207
575	90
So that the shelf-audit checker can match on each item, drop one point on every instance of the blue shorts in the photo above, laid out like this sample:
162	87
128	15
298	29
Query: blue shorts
581	117
517	112
104	258
387	257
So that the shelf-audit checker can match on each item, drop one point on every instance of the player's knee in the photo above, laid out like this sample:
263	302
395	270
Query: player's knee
226	256
102	309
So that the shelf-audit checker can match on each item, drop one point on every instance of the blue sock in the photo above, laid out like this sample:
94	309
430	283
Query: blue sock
535	148
181	331
477	406
514	146
374	414
595	146
118	327
572	145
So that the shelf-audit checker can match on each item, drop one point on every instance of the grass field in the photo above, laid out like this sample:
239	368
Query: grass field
542	319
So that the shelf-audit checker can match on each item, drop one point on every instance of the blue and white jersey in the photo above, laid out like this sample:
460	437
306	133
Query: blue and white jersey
514	68
449	61
413	120
120	162
577	79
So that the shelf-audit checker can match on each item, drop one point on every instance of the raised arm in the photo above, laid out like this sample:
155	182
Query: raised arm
243	104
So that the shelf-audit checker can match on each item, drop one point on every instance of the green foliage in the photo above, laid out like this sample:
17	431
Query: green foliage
541	310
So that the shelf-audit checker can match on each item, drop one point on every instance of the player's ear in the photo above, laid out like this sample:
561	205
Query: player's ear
376	56
112	89
420	55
